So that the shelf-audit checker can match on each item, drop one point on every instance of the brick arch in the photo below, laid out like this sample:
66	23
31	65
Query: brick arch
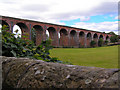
52	35
82	38
63	37
89	38
95	38
3	22
39	34
73	36
24	30
22	26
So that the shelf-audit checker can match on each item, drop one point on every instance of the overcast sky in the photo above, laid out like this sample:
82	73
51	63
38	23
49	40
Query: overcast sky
98	15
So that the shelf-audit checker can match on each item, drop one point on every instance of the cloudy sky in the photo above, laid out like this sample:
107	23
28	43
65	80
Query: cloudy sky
97	15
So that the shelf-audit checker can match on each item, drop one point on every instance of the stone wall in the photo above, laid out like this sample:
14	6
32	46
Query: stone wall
28	73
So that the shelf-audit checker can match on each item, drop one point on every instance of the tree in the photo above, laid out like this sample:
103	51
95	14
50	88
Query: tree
112	33
100	42
114	38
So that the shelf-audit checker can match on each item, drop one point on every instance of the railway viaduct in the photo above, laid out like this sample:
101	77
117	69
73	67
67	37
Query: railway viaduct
69	36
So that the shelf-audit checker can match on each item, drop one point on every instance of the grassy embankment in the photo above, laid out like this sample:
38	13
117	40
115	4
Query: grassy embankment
104	57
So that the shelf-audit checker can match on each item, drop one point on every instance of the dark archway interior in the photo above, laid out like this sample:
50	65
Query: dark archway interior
37	27
107	37
51	30
101	36
95	36
63	31
81	34
37	34
73	33
89	35
4	23
22	26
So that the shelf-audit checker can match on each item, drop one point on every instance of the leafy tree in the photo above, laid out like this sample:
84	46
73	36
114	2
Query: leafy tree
112	33
100	42
114	38
92	43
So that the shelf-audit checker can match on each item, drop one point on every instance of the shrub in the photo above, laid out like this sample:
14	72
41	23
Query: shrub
106	42
100	42
92	43
114	38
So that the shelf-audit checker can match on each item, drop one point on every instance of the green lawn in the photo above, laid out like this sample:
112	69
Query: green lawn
105	57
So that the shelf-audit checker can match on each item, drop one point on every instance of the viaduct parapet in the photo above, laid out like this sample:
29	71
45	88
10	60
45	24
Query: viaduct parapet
69	36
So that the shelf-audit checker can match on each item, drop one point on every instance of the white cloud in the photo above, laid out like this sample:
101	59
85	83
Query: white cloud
111	15
83	18
57	9
53	11
117	17
103	26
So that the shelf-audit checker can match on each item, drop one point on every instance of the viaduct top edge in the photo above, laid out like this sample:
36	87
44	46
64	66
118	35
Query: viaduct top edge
50	23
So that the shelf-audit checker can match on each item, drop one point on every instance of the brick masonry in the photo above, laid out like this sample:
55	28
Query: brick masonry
69	36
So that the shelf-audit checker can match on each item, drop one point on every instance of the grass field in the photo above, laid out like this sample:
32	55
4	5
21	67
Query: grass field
105	57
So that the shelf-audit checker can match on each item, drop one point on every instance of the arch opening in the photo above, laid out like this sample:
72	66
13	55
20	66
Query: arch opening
73	40
89	35
95	36
52	35
63	40
89	38
24	30
37	34
81	39
52	32
73	33
22	26
58	35
47	35
101	36
4	23
107	37
81	34
17	31
63	31
38	27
